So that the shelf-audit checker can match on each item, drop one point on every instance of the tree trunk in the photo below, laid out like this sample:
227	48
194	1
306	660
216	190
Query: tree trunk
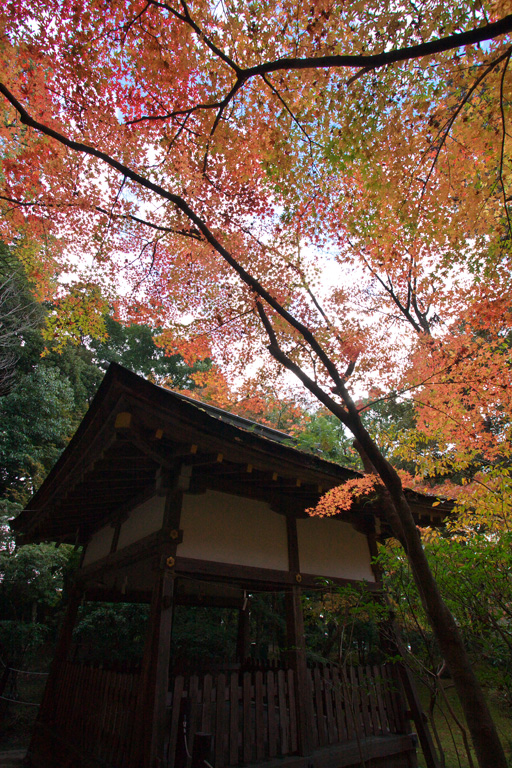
485	738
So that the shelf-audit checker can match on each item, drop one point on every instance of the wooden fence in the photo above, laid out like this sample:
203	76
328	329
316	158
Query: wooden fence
253	715
354	703
94	710
91	713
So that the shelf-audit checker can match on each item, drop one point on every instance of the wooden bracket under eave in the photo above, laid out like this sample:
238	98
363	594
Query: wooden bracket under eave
123	420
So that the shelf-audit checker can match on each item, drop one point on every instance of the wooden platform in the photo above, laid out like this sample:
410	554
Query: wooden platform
377	752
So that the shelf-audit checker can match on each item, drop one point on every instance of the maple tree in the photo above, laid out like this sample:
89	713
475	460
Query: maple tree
264	181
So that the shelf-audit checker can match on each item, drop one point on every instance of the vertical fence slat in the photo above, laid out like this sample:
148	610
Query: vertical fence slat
175	715
206	720
377	671
351	706
396	698
271	714
319	706
362	684
283	713
115	727
106	721
332	733
387	695
233	718
116	716
338	705
131	747
259	721
313	720
373	701
194	710
247	739
81	721
292	698
220	721
103	726
118	745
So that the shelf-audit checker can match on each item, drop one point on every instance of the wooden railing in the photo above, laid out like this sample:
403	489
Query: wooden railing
90	714
252	716
354	703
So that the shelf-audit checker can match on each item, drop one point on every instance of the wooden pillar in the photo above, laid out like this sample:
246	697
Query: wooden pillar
157	679
153	700
42	742
242	640
66	632
296	659
61	653
296	642
149	738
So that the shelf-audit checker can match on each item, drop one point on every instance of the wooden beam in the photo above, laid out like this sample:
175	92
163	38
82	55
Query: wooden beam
204	459
97	594
293	545
139	550
248	575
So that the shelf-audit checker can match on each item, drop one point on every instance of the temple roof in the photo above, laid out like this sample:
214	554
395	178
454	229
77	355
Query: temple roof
137	435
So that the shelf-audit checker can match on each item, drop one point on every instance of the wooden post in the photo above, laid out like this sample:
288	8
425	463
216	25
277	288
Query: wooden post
153	700
66	632
61	654
149	739
42	740
242	640
201	749
296	653
296	658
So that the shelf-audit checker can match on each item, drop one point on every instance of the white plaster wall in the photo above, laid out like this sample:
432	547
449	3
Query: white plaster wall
331	548
144	519
230	529
99	545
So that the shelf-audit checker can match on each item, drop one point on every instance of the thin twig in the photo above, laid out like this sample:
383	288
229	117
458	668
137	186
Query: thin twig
452	119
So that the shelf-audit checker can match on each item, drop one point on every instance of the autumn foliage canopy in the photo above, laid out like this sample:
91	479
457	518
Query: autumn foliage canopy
349	159
322	187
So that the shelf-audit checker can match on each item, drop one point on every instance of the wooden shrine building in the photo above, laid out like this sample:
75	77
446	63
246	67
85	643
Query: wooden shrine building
177	502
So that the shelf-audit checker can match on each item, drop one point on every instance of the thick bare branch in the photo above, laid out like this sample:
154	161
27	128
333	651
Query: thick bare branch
503	138
364	62
281	357
184	207
378	60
